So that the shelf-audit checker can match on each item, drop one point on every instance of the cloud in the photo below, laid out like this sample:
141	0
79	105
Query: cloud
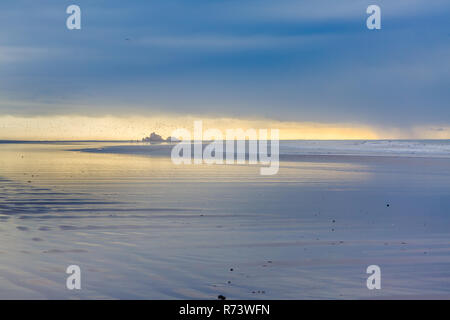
225	42
322	10
17	54
284	60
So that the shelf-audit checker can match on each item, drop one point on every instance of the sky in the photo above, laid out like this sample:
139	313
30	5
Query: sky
308	67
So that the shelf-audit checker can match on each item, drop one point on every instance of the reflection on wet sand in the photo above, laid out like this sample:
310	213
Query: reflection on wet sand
141	227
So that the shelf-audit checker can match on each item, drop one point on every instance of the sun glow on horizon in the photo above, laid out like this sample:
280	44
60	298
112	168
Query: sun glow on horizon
135	128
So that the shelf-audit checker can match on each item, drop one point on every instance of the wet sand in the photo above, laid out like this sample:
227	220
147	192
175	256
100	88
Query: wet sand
141	227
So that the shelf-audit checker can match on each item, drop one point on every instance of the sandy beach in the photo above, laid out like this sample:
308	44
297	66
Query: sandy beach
141	227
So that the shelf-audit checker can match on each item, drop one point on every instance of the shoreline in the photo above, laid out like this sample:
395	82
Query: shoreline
163	150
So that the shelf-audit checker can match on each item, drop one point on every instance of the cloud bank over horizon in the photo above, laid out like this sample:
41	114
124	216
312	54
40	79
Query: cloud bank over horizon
286	60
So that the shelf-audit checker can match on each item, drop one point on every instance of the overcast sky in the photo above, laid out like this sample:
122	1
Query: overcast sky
290	60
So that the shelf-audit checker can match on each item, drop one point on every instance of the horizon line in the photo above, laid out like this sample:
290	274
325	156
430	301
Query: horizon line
134	140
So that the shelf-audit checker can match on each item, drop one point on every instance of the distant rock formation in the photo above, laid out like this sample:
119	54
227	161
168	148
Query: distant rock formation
153	138
156	138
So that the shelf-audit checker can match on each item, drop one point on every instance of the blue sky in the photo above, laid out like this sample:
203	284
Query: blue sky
284	60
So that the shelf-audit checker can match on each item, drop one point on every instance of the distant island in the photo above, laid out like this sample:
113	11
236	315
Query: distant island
156	138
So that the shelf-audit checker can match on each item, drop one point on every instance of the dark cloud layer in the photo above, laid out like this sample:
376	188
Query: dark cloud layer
285	59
